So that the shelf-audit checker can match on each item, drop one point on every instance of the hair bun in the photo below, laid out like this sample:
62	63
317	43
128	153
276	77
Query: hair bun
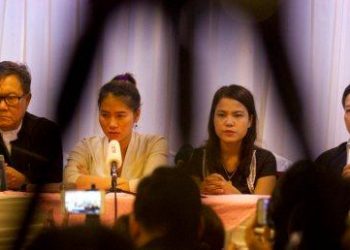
127	77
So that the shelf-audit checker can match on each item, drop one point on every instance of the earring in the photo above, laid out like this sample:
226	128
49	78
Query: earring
135	125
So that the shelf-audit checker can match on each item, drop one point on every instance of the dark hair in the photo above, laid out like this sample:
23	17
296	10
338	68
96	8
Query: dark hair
345	94
123	86
312	200
213	158
169	201
19	70
122	226
213	235
78	237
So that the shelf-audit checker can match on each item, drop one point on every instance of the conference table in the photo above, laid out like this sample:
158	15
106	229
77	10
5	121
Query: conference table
232	209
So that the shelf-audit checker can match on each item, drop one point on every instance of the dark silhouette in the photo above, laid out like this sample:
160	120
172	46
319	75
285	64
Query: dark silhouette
167	211
310	201
213	234
80	237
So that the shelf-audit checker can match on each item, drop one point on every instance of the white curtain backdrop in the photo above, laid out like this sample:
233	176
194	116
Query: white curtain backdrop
138	39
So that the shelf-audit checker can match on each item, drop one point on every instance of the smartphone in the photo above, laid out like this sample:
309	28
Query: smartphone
262	211
83	202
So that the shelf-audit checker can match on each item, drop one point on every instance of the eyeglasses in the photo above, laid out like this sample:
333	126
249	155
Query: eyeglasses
11	100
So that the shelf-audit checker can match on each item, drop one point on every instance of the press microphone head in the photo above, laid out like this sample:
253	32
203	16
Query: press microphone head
114	154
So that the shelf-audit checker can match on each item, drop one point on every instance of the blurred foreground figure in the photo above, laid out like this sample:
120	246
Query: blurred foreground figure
309	208
80	237
213	234
167	212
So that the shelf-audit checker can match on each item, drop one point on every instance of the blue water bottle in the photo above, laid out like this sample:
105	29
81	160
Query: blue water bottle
2	174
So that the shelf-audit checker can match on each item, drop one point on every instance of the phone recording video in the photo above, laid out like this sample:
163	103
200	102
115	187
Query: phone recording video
83	202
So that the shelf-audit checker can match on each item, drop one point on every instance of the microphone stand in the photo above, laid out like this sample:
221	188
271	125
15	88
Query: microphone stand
114	187
91	219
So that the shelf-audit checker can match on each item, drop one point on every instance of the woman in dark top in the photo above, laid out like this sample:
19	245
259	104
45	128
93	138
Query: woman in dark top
229	162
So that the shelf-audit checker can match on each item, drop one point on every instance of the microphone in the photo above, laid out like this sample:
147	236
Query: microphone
114	155
348	152
114	159
183	155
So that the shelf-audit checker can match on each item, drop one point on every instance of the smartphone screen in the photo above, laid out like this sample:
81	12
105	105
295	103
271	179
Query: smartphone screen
83	202
262	211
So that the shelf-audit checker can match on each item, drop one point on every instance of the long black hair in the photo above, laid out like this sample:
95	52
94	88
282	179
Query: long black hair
213	151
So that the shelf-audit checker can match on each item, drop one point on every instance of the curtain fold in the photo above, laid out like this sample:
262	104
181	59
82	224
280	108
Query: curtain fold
139	40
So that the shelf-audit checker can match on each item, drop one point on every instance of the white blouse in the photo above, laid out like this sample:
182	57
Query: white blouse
144	154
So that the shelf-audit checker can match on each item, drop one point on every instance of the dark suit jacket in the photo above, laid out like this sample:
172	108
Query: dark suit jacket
37	152
334	158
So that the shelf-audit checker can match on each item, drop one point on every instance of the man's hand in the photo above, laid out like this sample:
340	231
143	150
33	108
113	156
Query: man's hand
346	172
14	179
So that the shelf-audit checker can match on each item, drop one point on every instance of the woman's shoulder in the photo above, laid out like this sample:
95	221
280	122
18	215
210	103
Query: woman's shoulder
264	154
149	142
93	139
148	138
262	151
91	142
197	154
88	146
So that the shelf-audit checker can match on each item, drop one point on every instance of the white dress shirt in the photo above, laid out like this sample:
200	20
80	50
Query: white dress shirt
9	136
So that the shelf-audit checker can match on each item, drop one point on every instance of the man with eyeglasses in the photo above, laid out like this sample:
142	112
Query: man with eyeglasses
31	145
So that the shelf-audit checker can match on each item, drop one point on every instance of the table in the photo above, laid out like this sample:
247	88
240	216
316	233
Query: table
232	209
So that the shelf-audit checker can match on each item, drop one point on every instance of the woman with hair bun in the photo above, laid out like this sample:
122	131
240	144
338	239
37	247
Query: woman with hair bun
119	104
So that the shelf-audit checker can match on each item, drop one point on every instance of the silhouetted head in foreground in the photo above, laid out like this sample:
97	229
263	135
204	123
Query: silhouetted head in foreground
213	234
167	211
80	237
312	202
